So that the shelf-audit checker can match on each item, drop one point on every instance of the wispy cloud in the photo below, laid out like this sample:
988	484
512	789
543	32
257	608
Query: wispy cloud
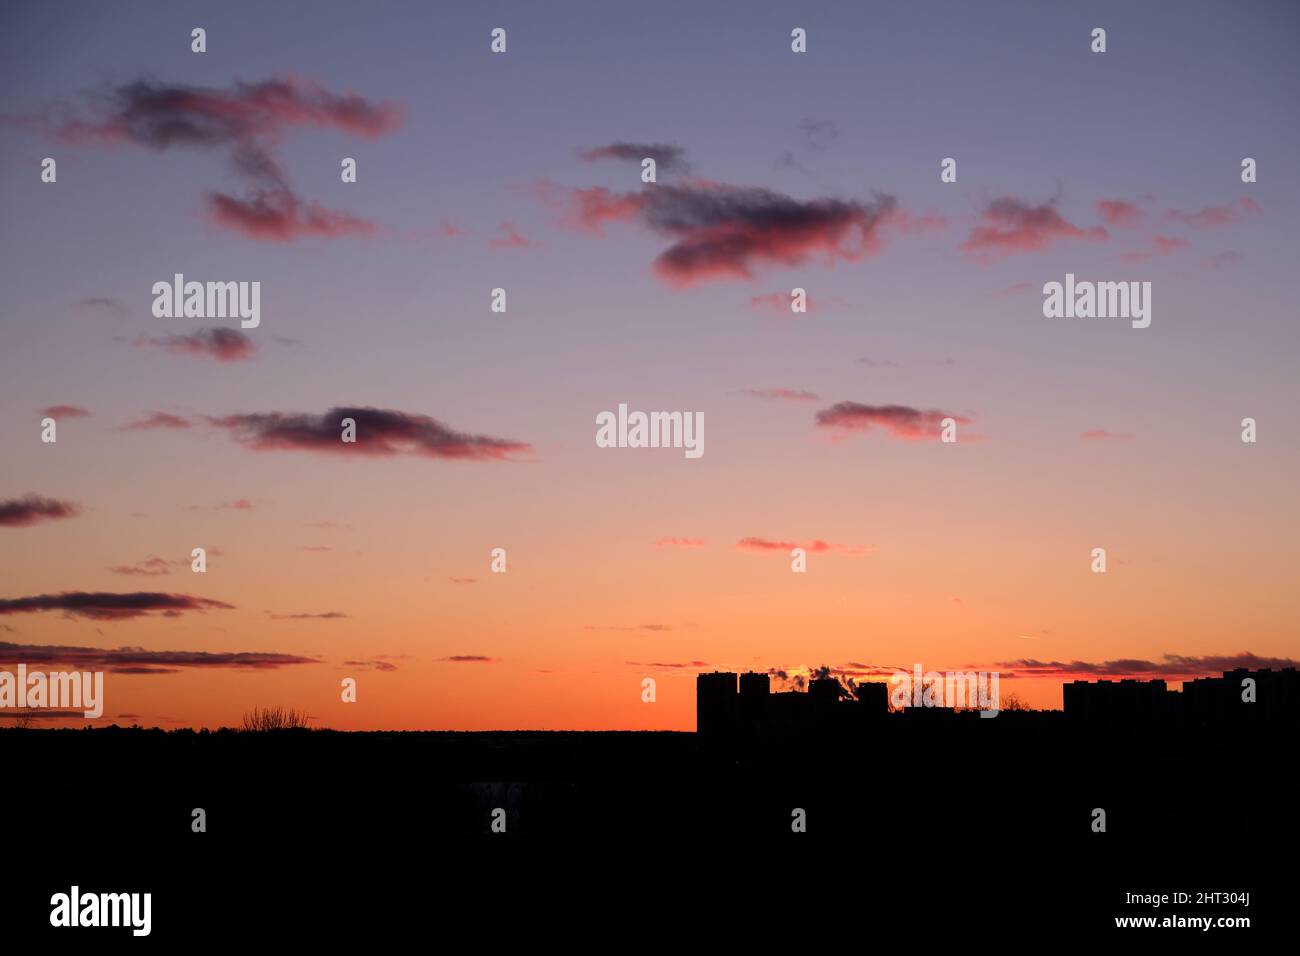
782	394
898	421
220	344
137	660
668	158
155	420
1013	226
816	546
1212	217
65	411
687	543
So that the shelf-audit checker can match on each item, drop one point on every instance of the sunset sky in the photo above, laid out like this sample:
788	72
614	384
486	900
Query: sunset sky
478	171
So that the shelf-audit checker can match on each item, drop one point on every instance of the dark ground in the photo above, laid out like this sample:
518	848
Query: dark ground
979	828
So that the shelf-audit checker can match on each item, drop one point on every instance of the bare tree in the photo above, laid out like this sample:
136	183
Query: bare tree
274	718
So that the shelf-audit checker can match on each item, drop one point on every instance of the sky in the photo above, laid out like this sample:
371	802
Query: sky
521	170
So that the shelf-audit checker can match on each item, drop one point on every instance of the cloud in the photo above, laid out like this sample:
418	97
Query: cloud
150	567
780	302
1169	667
379	432
1012	226
1117	212
1160	246
249	120
1221	259
899	421
99	302
221	344
324	616
1101	433
509	237
277	215
878	363
463	580
137	660
819	134
717	231
104	606
812	547
689	665
782	394
468	659
1016	288
372	665
1217	216
668	158
33	509
687	543
157	420
240	504
65	411
630	627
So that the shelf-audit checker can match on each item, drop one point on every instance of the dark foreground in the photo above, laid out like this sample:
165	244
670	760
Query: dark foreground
979	832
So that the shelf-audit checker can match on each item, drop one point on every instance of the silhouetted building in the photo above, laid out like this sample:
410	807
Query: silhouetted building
873	697
745	706
715	703
1129	702
1205	704
1214	702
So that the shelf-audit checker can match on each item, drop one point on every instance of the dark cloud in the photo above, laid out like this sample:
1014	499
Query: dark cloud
379	431
900	421
32	509
725	232
105	606
668	158
249	120
1169	667
137	660
277	215
1012	226
221	344
468	659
